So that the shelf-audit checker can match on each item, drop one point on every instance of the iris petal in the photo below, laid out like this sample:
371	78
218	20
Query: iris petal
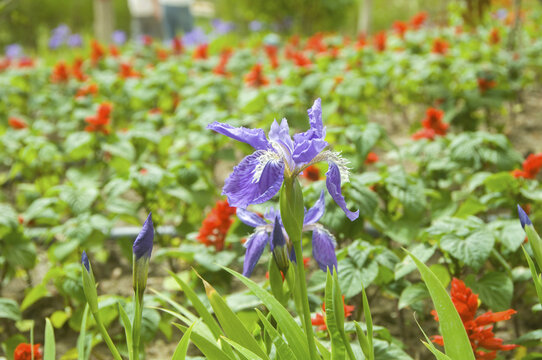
254	137
316	212
244	186
143	243
255	246
306	150
323	249
333	183
250	218
281	135
315	118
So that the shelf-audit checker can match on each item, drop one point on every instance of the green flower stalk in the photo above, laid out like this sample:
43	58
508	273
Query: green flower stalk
142	250
89	287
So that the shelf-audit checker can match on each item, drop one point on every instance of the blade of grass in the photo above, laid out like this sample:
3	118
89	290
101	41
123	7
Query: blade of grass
49	346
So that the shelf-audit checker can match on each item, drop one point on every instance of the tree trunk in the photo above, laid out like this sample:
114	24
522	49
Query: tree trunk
364	16
104	20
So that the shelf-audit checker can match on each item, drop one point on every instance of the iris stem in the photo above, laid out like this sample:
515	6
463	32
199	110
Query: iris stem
305	299
137	323
106	337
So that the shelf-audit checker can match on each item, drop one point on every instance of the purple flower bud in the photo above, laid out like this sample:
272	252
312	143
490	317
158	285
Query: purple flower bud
255	26
143	242
75	40
119	37
55	41
84	260
523	217
278	247
14	51
62	31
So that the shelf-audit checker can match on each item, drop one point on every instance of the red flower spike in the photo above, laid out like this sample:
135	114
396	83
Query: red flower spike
379	41
97	51
320	319
311	173
60	74
201	52
418	20
216	224
100	121
126	71
485	84
77	70
24	352
371	158
440	46
400	28
255	77
16	123
220	68
272	52
480	330
494	36
531	167
114	51
177	45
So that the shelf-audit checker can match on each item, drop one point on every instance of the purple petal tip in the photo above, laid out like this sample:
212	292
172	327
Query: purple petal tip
84	260
523	217
143	242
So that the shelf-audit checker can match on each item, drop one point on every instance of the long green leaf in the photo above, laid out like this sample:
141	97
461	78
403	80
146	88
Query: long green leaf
369	324
178	307
242	350
323	350
211	350
182	347
81	340
202	311
49	347
429	345
127	330
291	330
536	277
231	324
456	341
338	350
283	349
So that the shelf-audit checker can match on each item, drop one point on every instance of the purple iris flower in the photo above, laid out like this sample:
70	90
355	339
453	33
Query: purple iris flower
14	51
119	37
84	260
323	242
222	27
523	217
75	40
195	37
255	25
259	176
55	42
143	243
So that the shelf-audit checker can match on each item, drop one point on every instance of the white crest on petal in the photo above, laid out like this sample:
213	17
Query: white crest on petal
263	159
337	159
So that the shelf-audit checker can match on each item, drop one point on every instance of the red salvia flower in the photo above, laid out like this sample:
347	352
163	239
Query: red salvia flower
320	319
126	71
255	77
362	41
25	62
77	70
418	20
379	41
4	63
531	167
479	329
494	36
271	52
220	68
114	51
162	54
216	224
60	74
24	352
146	40
486	84
371	158
316	43
17	123
440	46
97	51
311	173
300	59
400	28
201	52
432	125
177	45
90	89
100	121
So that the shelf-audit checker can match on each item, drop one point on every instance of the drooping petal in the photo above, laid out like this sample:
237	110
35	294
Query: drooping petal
333	183
254	137
255	246
250	218
256	179
144	241
316	212
323	249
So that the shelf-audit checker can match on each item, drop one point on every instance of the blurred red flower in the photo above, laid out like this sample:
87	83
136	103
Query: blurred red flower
127	71
216	224
320	319
90	89
220	68
311	173
379	41
479	329
255	77
200	52
97	51
486	84
494	36
371	158
440	46
17	123
100	121
418	20
60	73
400	28
77	69
272	52
432	125
24	352
531	167
177	45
